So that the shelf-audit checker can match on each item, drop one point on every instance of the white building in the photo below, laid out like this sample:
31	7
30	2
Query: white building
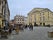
20	20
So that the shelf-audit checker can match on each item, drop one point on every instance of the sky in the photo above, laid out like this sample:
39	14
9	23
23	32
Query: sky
23	7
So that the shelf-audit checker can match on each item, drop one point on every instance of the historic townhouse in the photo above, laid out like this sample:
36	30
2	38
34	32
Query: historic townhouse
4	12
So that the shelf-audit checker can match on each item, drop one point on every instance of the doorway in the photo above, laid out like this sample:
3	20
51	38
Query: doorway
43	24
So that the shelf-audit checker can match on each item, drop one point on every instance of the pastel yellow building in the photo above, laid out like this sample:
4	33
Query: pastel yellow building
40	16
1	21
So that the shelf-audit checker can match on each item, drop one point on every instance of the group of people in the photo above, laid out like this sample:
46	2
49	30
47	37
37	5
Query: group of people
29	26
11	28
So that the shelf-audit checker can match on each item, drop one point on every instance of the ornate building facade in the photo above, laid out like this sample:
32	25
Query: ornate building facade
40	16
19	20
4	12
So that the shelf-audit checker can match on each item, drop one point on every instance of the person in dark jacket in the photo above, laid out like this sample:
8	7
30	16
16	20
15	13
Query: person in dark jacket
31	27
25	26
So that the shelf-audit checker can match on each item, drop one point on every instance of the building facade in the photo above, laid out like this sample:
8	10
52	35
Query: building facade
25	20
4	12
40	16
0	14
19	20
11	22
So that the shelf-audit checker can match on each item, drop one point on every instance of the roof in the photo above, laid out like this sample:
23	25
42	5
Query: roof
39	10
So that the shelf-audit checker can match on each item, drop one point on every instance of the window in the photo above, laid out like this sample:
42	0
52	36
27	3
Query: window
22	19
18	19
43	18
18	22
0	2
40	18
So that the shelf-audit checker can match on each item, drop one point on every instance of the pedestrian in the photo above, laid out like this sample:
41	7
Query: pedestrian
31	27
10	29
25	26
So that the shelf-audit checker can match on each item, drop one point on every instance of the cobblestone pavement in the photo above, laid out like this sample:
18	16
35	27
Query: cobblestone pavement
38	33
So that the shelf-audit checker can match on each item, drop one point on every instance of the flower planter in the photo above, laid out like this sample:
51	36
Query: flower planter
50	34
